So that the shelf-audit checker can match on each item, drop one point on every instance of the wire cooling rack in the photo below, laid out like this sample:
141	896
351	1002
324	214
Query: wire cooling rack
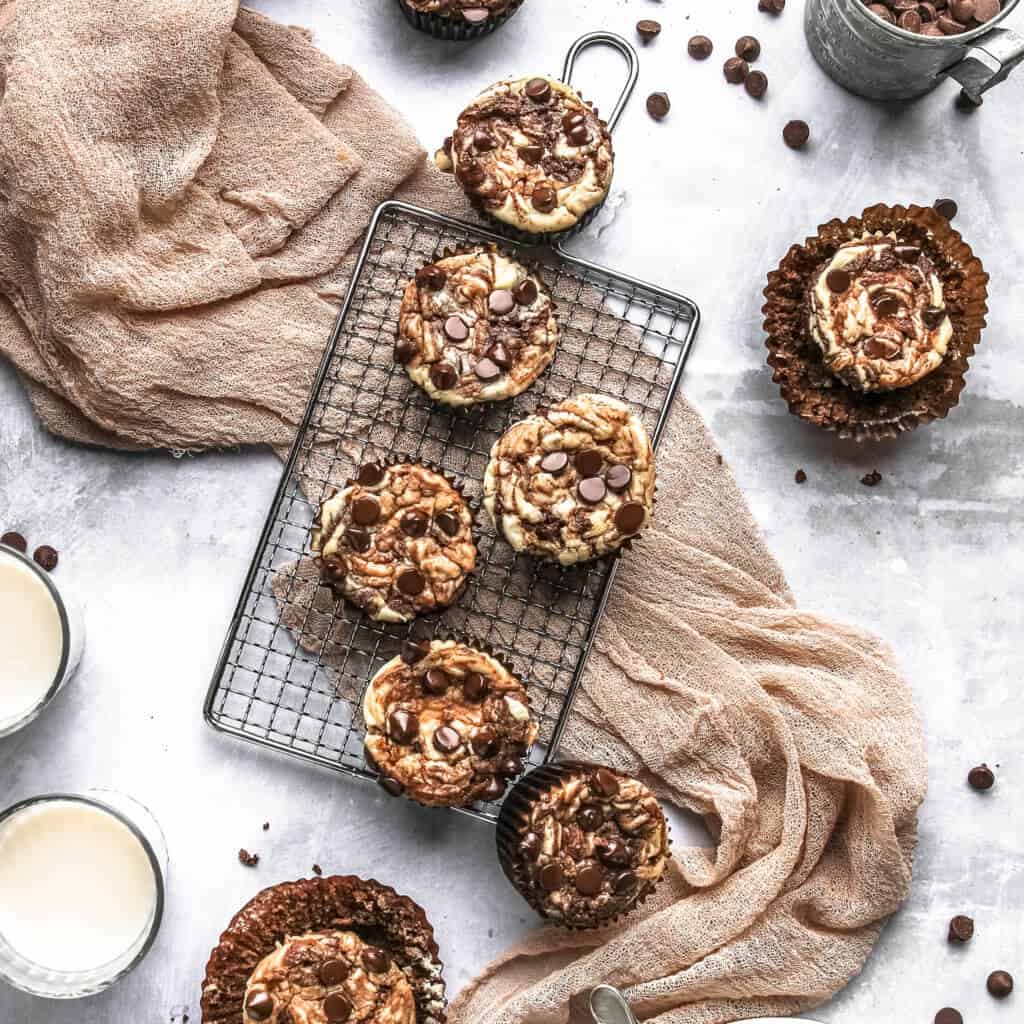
296	660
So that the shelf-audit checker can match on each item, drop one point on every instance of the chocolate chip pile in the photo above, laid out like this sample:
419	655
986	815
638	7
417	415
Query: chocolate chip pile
936	17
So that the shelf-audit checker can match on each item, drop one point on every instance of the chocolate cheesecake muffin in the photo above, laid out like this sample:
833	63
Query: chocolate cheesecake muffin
532	155
458	19
397	541
572	482
326	951
872	322
583	844
475	327
447	724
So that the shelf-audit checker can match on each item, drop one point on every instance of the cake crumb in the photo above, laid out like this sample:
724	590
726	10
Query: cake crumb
317	870
800	476
872	479
250	860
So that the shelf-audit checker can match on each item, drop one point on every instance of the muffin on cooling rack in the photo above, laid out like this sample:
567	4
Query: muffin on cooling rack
459	19
447	724
572	482
326	950
475	326
397	541
871	323
583	844
533	155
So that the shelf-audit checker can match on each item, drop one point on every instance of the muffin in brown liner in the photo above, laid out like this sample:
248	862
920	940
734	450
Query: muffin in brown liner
455	26
807	386
375	913
582	843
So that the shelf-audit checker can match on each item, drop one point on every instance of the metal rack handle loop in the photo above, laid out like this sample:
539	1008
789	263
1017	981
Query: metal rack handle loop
616	42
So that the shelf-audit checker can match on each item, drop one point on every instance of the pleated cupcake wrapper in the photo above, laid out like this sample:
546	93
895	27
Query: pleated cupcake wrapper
514	821
441	26
244	943
810	390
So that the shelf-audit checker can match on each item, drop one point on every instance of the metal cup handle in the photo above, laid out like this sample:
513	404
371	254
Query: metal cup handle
617	43
992	57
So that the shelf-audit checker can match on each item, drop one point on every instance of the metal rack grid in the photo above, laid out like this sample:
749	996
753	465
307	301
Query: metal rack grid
296	660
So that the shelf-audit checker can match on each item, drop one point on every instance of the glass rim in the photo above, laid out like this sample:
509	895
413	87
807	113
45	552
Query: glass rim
969	36
150	931
14	724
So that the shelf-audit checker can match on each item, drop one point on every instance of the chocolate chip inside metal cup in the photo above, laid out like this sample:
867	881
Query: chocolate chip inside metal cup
476	22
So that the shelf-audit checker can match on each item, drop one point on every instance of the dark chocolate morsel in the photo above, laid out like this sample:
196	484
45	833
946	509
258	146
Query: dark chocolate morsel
494	789
658	105
475	686
259	1006
748	48
538	89
414	651
358	539
554	462
946	208
525	293
500	355
756	84
592	489
448	522
647	29
414	524
588	462
961	929
403	726
999	984
615	852
370	474
447	740
45	557
796	134
13	539
411	582
606	782
510	766
590	819
443	376
947	1015
544	198
624	881
487	370
618	478
376	961
932	317
485	743
455	328
630	517
366	510
589	879
981	778
700	47
735	70
482	142
405	351
436	681
334	972
529	845
471	175
337	1008
531	154
887	305
431	277
838	281
579	135
501	302
551	877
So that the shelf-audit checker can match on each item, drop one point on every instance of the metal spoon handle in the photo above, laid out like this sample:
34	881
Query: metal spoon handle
609	1006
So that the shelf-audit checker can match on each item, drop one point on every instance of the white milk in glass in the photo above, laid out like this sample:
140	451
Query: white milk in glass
77	887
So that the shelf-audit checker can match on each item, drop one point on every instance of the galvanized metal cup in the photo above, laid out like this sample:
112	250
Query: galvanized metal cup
872	58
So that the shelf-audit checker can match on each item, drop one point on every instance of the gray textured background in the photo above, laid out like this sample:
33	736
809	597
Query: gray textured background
707	202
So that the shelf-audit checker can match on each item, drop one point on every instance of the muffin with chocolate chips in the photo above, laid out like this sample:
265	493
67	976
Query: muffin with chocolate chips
475	327
458	19
447	724
872	322
583	844
532	155
397	541
326	951
572	482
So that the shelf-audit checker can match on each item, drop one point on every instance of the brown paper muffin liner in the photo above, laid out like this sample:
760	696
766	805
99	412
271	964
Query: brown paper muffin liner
441	26
810	390
373	911
513	822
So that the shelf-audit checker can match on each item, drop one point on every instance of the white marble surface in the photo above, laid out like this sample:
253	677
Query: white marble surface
710	199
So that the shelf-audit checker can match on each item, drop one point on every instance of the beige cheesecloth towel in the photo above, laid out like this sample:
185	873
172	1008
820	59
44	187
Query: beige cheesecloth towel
179	185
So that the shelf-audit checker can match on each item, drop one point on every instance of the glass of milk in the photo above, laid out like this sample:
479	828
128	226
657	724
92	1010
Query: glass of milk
40	636
81	891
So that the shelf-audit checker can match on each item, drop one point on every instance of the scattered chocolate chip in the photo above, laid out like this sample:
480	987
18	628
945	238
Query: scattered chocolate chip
572	119
932	317
592	489
735	70
800	476
872	479
318	871
370	474
947	1015
946	208
337	1008
475	686
485	744
358	539
501	302
455	329
961	929
999	984
771	6
630	517
981	778
405	351
414	524
606	782
748	48
250	860
500	356
14	540
448	522
554	462
366	510
431	277
538	89
436	681
487	370
443	376
403	726
531	154
796	134
45	557
447	740
700	47
259	1006
588	462
525	293
618	478
376	961
414	651
551	877
756	84
411	582
590	819
658	105
838	281
647	29
589	880
579	136
334	972
544	198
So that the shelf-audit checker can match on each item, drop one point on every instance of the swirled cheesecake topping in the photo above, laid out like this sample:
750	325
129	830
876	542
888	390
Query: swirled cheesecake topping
447	724
532	153
475	327
397	541
878	314
328	978
573	482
